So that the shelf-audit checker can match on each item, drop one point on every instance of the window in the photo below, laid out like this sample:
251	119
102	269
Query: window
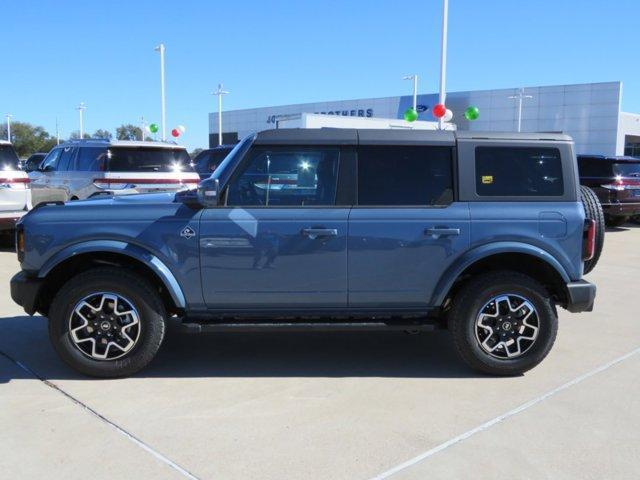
148	159
51	161
594	167
206	162
8	158
518	172
287	176
91	159
628	169
405	175
65	159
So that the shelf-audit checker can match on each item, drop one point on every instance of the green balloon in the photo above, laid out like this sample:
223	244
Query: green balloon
472	113
153	128
410	115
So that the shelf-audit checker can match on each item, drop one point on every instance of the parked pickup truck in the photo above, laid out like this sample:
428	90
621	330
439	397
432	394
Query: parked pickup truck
335	229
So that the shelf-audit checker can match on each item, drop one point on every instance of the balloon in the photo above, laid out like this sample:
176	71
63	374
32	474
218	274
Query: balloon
472	113
175	132
153	128
182	128
410	115
147	129
448	115
439	110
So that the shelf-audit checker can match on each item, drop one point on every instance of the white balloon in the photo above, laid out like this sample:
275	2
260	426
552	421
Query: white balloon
147	128
448	115
182	128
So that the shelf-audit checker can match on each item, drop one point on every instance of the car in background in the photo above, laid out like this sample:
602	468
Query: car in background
15	198
82	169
33	162
616	182
208	160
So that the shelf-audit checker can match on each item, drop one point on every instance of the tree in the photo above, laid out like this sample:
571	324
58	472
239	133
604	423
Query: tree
75	135
128	132
28	139
100	133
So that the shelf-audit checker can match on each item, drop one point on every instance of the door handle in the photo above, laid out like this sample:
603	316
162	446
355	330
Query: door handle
314	233
438	232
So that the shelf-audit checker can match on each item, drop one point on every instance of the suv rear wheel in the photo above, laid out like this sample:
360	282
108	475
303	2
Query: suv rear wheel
107	322
503	323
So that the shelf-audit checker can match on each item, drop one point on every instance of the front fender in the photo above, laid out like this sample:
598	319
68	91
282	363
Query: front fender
113	246
484	251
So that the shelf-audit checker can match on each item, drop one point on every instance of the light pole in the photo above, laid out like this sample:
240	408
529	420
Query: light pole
413	77
443	58
520	96
220	92
143	124
57	133
163	115
81	108
8	115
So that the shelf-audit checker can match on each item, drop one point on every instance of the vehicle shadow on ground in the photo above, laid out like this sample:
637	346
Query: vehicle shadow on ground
275	354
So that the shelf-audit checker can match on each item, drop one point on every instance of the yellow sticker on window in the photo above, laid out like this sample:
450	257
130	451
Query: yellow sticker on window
487	179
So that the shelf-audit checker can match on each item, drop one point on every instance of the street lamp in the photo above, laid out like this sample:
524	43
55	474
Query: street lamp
520	96
81	108
143	126
220	92
413	77
160	48
8	115
443	58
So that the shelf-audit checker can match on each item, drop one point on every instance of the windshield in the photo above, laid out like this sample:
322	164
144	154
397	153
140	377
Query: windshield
627	169
8	158
207	161
148	159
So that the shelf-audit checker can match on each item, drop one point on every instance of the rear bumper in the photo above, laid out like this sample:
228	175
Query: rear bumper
621	209
581	296
8	219
24	291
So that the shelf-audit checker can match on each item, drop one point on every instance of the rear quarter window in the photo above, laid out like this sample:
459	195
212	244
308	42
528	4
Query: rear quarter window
518	172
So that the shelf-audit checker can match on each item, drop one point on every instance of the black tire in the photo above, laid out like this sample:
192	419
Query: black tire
470	301
635	219
615	220
138	292
593	211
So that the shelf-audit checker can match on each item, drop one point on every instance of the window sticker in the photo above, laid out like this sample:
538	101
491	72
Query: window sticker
487	179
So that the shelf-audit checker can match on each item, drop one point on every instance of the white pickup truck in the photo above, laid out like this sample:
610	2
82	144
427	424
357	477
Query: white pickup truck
15	194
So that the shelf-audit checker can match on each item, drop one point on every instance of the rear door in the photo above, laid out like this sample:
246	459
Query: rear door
41	179
280	242
407	227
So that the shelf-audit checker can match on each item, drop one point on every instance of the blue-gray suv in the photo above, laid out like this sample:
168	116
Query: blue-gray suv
332	229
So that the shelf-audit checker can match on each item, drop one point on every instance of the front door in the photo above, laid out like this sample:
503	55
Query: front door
280	243
406	229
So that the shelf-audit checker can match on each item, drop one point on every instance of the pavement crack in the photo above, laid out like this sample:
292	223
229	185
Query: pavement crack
102	418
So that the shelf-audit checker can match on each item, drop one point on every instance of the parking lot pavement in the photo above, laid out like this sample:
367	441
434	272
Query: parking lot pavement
340	406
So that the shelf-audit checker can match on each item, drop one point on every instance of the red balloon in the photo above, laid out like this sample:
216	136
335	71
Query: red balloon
175	132
439	110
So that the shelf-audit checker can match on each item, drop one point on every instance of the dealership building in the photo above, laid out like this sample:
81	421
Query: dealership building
590	113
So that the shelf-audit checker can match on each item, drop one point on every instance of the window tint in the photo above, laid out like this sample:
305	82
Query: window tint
91	159
627	169
518	171
65	158
208	161
8	157
401	175
50	163
148	159
287	176
594	167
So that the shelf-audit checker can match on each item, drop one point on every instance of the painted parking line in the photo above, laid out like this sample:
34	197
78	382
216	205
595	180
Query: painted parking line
500	418
100	417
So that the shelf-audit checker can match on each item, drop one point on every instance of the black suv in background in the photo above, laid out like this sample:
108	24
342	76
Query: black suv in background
616	181
208	160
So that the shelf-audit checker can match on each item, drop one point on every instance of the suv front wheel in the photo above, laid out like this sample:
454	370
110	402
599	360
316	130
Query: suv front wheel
503	323
107	322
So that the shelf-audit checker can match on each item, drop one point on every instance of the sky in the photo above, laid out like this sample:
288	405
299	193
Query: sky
56	54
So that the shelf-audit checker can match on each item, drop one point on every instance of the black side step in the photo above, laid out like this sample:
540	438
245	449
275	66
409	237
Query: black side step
306	327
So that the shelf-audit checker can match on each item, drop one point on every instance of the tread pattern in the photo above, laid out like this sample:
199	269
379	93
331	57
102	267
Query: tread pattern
593	211
461	314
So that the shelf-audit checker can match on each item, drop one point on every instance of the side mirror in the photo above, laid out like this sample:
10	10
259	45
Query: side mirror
208	191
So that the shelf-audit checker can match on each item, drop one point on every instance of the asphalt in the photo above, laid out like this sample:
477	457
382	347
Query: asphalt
339	406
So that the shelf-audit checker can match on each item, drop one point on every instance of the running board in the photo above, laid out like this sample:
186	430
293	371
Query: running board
306	327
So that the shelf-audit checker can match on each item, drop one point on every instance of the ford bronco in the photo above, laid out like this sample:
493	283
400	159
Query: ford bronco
334	229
